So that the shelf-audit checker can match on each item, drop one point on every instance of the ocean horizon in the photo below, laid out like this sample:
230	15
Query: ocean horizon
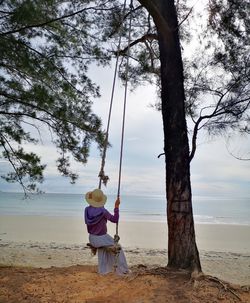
141	208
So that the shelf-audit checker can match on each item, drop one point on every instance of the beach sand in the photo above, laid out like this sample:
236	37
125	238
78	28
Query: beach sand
50	263
81	284
72	230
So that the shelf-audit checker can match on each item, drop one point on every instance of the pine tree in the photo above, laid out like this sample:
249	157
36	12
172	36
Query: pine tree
46	48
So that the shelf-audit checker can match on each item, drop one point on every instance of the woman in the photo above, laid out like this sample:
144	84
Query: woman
96	217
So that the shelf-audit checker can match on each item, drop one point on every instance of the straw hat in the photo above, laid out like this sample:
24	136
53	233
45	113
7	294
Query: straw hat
96	198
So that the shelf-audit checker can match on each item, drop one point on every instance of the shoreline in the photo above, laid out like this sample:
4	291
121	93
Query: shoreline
37	241
72	230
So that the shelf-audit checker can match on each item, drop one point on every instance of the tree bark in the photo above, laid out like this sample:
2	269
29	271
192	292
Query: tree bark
182	249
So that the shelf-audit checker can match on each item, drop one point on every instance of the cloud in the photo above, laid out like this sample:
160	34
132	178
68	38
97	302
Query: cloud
213	170
133	139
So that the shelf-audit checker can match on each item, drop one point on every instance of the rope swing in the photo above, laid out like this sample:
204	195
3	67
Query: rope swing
103	179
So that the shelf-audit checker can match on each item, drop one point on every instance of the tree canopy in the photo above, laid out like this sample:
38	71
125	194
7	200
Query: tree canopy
215	51
48	46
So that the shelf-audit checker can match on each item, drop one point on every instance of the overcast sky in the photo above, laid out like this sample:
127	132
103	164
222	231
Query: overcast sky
214	172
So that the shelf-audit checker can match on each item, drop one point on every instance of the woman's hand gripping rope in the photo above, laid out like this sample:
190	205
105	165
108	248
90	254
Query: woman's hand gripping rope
117	203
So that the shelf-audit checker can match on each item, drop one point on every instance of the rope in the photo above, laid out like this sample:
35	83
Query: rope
102	177
116	237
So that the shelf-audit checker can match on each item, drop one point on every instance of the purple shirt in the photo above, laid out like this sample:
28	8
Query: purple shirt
96	219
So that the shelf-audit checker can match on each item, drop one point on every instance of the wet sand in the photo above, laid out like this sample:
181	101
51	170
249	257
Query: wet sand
72	230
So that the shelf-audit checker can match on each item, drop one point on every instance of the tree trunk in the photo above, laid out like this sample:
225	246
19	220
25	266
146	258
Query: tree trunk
182	249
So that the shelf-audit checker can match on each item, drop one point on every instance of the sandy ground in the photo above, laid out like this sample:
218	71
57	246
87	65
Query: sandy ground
45	259
72	230
81	284
229	266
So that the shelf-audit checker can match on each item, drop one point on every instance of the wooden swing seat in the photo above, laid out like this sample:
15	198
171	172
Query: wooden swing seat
114	249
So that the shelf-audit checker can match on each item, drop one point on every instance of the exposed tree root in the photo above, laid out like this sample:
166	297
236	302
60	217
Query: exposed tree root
226	286
195	277
142	270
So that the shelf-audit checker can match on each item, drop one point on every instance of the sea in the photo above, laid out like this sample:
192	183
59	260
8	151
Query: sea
207	210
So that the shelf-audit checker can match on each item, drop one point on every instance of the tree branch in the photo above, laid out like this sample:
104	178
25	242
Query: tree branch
132	11
20	181
29	116
217	112
36	107
238	158
142	39
20	101
119	25
47	59
194	138
185	18
5	12
53	20
35	126
160	155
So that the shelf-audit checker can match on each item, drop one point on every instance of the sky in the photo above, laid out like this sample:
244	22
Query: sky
214	172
